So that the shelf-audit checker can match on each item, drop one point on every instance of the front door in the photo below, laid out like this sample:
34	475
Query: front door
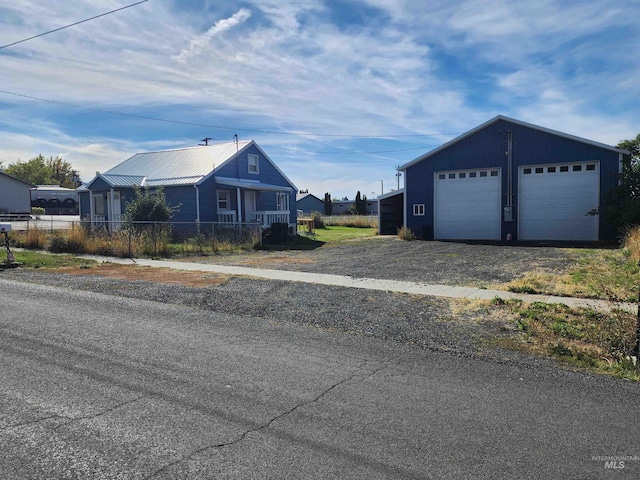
249	206
114	208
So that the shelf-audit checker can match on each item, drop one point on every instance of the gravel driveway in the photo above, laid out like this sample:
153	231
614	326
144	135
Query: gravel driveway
427	322
444	263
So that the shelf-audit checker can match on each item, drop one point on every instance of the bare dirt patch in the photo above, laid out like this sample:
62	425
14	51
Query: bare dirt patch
150	274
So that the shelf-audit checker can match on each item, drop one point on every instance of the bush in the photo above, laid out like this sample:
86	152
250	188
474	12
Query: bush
405	233
37	211
318	221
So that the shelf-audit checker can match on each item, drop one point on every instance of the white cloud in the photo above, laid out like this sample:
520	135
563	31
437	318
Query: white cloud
198	44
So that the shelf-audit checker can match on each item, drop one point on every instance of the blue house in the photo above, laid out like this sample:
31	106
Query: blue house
507	179
308	203
231	183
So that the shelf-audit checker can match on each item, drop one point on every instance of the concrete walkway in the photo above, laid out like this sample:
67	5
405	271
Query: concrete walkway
415	288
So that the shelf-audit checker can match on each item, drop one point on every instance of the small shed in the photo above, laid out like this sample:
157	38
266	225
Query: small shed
390	212
15	197
308	203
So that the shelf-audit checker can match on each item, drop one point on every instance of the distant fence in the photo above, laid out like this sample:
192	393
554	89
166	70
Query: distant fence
351	220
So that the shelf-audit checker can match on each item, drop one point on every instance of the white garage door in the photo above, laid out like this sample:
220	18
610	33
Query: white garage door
554	201
467	205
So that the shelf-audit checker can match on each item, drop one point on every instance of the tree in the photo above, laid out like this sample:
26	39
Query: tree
328	206
44	171
149	207
622	206
360	206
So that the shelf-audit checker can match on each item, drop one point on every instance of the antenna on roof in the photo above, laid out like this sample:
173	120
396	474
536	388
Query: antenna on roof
206	141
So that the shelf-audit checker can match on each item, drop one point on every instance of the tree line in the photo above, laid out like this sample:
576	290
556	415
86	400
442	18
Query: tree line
44	171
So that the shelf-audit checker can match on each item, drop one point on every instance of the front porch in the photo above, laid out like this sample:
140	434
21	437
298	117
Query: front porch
246	202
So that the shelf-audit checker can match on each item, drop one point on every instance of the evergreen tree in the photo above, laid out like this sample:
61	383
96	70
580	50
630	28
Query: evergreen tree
328	206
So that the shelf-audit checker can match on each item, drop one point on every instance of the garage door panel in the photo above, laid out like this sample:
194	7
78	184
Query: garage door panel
467	207
554	205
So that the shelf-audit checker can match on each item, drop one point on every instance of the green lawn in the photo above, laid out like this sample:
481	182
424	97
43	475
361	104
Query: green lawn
336	234
30	259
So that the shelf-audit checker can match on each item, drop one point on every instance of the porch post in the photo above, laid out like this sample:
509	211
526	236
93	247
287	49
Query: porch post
92	208
239	205
112	214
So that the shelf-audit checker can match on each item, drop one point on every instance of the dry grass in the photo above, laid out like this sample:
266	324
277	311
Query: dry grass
602	274
150	274
405	233
599	341
631	244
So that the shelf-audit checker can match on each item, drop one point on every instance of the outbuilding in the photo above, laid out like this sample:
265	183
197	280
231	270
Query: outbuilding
507	179
15	197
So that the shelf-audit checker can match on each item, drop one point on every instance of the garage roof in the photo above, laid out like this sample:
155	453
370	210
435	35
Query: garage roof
517	122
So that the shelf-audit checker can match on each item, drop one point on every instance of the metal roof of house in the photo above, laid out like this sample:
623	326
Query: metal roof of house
193	162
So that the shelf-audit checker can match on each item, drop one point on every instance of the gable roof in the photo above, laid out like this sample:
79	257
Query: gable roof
514	121
178	163
301	196
16	179
181	166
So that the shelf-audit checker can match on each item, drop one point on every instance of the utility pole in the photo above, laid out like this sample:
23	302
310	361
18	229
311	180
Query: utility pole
398	175
206	141
381	187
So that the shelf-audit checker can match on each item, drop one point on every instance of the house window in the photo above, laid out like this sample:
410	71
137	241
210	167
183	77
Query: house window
591	167
564	168
282	200
483	174
472	174
494	173
527	171
253	164
577	168
551	169
539	170
223	200
462	175
441	176
418	209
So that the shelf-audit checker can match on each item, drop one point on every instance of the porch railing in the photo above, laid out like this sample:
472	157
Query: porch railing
262	218
227	217
267	218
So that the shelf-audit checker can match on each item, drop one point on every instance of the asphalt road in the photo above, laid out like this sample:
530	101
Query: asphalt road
96	386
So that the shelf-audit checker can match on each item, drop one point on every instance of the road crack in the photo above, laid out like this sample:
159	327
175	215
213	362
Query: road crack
67	419
274	419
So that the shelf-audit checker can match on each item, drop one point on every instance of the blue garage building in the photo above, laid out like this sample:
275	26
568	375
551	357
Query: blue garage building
510	179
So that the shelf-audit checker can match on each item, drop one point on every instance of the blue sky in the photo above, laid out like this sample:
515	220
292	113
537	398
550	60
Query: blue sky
338	93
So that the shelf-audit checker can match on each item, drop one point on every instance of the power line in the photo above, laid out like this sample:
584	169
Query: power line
193	124
71	25
353	153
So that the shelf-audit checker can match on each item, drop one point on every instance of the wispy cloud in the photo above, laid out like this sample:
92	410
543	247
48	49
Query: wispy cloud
198	44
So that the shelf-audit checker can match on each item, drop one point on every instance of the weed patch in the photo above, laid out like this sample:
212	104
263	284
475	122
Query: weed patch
602	341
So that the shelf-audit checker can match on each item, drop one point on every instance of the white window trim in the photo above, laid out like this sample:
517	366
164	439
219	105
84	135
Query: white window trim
224	196
418	209
253	160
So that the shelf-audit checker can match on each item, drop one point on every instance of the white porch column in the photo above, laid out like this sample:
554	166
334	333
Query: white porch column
112	213
197	204
239	205
92	208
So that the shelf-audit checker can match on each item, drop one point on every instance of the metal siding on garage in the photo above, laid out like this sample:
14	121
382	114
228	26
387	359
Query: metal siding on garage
554	201
467	205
